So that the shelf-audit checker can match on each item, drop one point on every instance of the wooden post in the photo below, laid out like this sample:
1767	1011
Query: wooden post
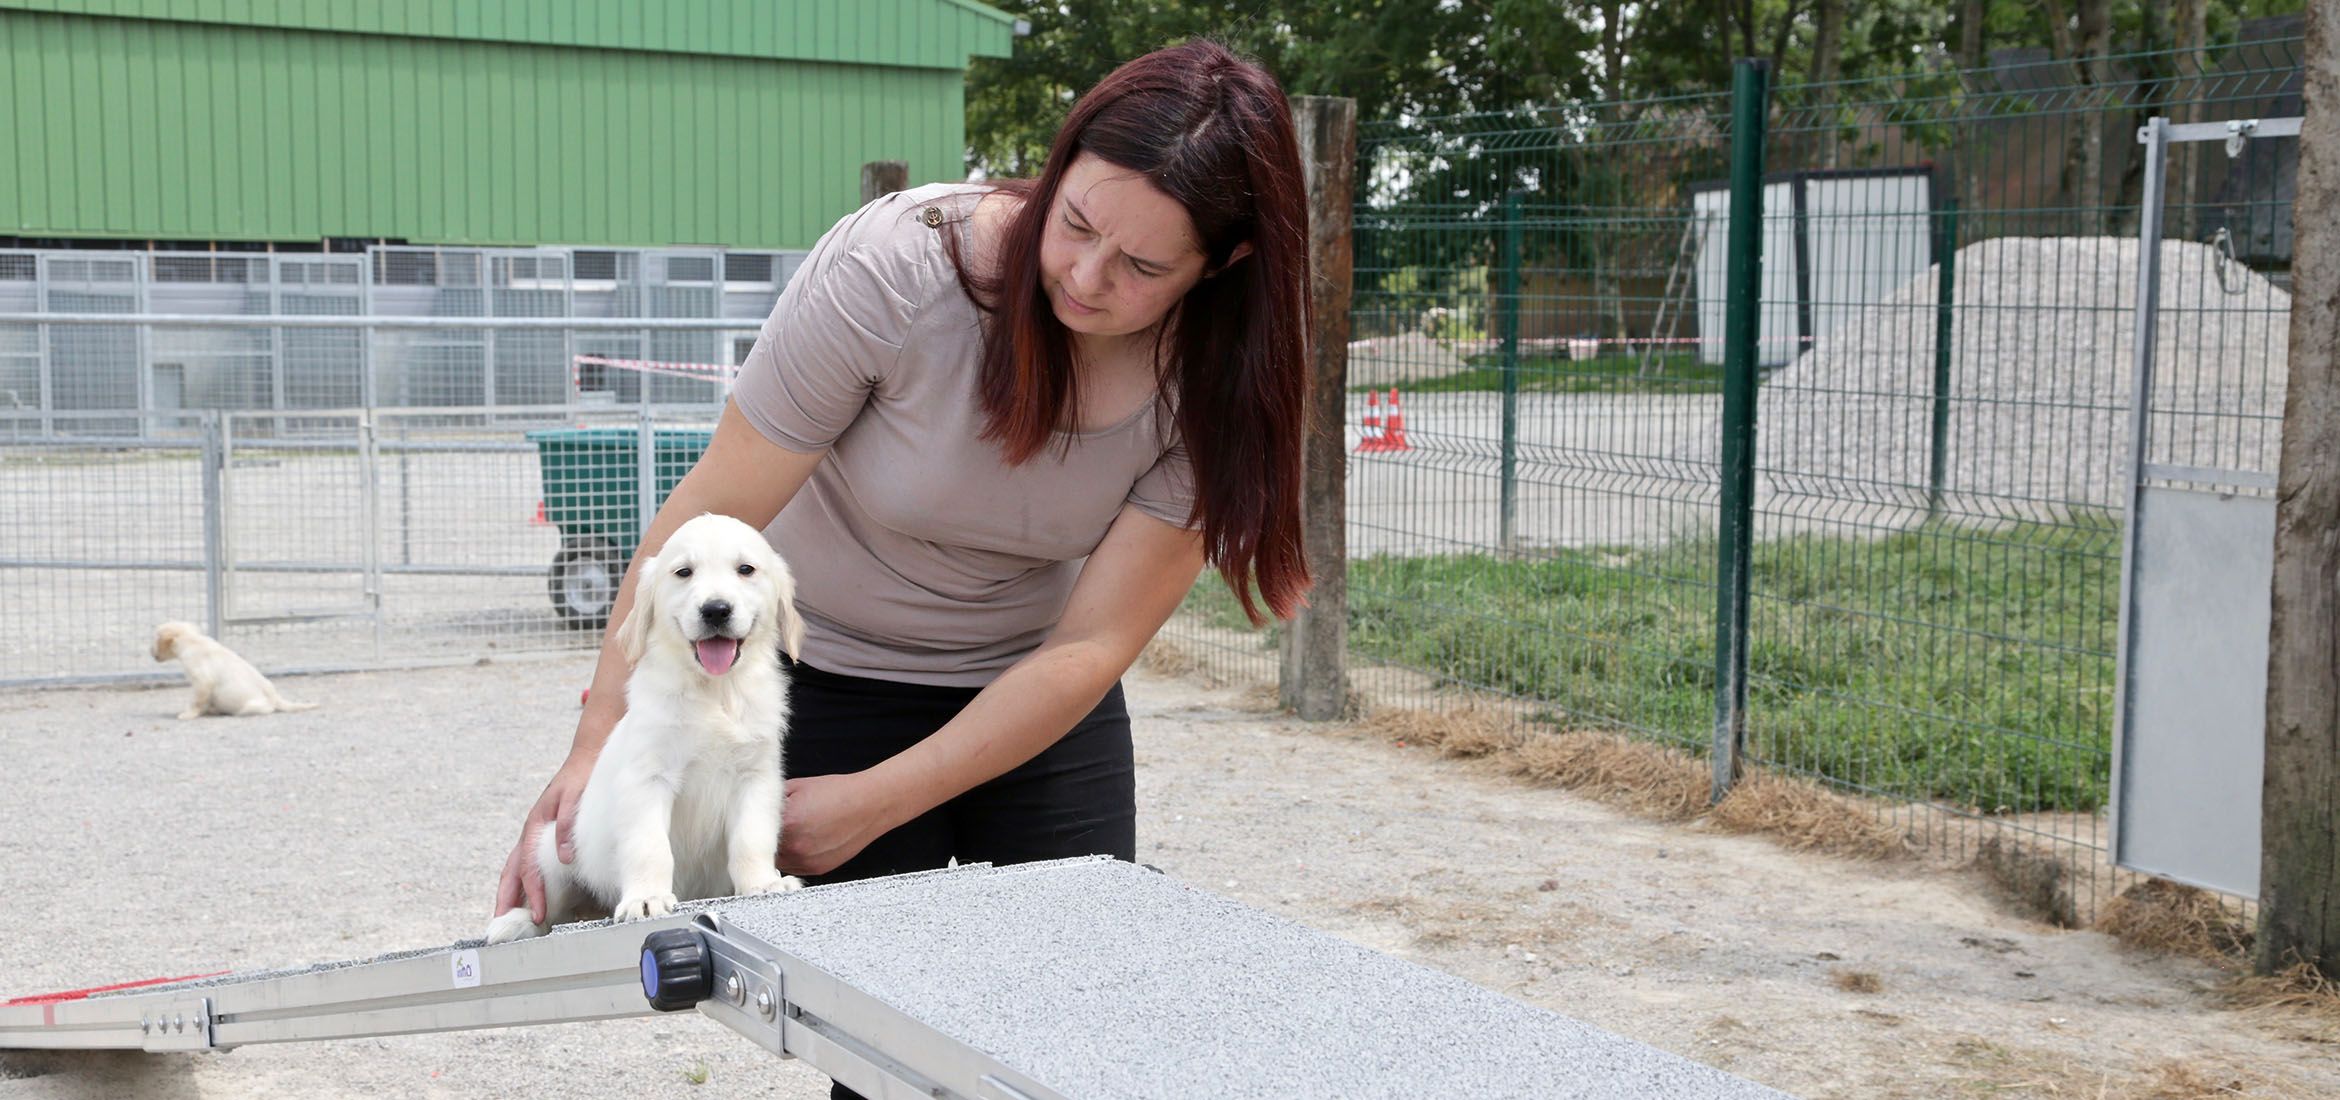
2299	875
1314	682
880	178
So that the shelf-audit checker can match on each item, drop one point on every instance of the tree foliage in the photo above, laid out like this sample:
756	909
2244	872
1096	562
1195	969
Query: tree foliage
1415	58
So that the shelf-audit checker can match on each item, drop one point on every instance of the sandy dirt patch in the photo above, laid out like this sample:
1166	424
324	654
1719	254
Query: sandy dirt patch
133	845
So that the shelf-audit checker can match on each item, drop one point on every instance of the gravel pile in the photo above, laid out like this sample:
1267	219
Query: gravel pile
2042	354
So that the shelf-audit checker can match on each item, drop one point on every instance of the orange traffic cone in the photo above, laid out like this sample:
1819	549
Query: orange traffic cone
1370	437
1393	433
1384	437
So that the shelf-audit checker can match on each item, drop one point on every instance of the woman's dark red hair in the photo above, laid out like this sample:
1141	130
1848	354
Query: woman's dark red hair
1214	132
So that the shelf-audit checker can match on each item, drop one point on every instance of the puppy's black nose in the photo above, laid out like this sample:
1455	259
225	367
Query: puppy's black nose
715	612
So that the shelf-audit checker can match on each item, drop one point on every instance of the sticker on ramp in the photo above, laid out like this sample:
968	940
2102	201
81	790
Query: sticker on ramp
466	968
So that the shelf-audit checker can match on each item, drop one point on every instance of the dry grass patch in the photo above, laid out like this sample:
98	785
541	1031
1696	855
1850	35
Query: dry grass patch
1173	660
1655	780
2299	985
2038	883
2174	1080
1261	698
1804	815
1636	775
1857	981
1651	779
2173	918
1470	730
1517	918
2300	992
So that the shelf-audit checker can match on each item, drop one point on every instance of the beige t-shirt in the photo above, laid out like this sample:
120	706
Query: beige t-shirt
919	554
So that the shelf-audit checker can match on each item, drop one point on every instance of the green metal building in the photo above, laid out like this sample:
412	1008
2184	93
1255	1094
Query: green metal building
302	123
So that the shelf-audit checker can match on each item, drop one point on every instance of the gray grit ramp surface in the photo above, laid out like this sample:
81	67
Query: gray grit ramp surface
1105	981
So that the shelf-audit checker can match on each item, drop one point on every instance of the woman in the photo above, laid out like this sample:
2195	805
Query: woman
1002	428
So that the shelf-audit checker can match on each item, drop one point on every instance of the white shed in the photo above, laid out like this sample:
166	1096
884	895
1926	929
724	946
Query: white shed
1834	243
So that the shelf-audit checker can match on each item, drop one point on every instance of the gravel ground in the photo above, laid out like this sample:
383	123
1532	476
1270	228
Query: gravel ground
134	845
2042	362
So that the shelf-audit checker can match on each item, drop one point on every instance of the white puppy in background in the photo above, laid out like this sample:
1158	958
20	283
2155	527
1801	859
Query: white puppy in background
684	801
224	683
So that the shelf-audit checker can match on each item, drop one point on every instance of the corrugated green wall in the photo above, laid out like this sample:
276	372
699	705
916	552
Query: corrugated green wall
929	33
213	131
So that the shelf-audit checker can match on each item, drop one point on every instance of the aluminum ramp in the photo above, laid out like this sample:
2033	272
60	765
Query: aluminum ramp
1086	979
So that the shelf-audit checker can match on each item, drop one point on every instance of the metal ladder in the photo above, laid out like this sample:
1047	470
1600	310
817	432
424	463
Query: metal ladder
1671	304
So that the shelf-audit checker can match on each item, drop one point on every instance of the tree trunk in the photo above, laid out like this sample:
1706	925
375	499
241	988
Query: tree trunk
2096	69
1313	679
1968	158
1972	14
2191	28
1827	49
2299	823
2083	122
1609	298
1827	39
1613	50
1779	38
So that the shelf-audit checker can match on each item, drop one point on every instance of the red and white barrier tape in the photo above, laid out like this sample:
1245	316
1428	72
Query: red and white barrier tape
719	373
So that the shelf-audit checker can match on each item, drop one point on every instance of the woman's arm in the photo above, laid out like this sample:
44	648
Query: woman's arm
1126	591
742	475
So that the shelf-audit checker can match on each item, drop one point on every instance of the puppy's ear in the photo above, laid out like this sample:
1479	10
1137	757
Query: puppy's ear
634	633
166	639
784	593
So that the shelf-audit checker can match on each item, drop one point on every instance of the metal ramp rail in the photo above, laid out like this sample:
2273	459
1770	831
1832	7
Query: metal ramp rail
1085	979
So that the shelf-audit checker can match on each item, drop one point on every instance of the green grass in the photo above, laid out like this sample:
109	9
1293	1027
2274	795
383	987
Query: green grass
1969	667
1675	372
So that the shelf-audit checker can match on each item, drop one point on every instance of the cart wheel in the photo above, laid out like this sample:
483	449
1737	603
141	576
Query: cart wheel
584	582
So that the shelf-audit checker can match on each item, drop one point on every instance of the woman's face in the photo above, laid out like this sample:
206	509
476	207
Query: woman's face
1117	253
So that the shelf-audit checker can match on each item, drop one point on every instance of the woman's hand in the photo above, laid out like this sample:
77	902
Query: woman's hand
523	881
826	820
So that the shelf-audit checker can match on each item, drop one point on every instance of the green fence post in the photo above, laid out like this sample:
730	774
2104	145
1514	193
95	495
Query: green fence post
1750	100
1512	202
1945	298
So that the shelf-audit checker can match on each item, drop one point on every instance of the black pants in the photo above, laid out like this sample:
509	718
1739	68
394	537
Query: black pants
1077	798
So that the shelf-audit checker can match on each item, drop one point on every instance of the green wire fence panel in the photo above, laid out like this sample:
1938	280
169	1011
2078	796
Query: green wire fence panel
1942	457
1944	327
1530	286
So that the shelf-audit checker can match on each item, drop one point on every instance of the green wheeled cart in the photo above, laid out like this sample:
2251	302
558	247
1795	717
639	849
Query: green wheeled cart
592	492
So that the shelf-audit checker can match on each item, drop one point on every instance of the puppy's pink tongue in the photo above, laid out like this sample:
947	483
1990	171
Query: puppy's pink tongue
716	654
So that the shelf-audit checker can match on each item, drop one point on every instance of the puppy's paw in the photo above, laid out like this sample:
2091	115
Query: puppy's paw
775	884
643	907
514	924
189	713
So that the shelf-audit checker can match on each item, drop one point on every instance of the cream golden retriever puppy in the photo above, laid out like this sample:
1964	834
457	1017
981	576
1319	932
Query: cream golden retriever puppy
684	800
224	683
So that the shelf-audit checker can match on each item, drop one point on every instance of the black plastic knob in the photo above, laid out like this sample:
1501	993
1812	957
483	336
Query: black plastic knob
676	971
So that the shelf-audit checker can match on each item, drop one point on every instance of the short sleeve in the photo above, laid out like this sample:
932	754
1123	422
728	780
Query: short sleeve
1166	490
835	332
